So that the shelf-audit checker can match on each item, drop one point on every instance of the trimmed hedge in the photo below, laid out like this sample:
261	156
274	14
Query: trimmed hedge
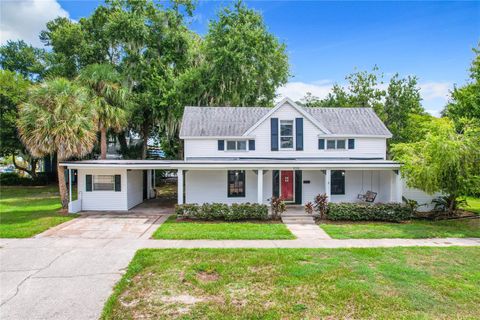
221	211
394	212
13	179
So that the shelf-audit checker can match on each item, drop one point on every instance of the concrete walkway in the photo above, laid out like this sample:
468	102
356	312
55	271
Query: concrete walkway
307	231
62	276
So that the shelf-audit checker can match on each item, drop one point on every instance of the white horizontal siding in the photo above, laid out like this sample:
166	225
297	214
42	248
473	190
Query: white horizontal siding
420	196
205	186
364	147
134	187
103	200
315	187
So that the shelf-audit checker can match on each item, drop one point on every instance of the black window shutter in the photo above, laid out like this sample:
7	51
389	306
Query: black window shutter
274	133
321	144
221	144
299	133
88	182
118	182
351	143
251	144
298	186
276	183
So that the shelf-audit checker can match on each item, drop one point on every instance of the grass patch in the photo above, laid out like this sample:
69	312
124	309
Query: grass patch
191	230
377	283
413	229
473	205
27	211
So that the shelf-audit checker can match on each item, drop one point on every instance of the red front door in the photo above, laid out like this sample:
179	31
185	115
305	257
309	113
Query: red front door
286	181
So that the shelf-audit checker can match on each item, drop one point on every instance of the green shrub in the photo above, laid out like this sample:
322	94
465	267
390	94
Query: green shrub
221	211
394	212
13	179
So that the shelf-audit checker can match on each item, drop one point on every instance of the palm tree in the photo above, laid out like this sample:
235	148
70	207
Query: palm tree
105	86
58	117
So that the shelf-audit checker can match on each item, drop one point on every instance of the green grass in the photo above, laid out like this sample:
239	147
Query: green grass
379	283
189	230
413	229
27	211
473	205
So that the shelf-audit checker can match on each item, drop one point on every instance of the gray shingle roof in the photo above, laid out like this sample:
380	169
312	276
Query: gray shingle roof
362	121
235	121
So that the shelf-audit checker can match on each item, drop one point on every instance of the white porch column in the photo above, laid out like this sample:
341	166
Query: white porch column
327	184
69	185
398	186
180	186
260	186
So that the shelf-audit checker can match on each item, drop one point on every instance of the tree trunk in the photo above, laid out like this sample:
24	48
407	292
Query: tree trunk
19	167
122	141
144	147
452	205
62	186
180	150
145	134
103	143
33	166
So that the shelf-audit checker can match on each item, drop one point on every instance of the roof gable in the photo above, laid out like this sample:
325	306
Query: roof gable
295	106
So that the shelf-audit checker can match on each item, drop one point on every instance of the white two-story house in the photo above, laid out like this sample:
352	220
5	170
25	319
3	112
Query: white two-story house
249	154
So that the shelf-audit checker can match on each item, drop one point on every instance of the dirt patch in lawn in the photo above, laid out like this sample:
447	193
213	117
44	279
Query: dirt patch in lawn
207	276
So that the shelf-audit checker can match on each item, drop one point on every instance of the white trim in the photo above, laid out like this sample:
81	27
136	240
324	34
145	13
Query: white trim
294	105
294	131
346	136
238	165
216	137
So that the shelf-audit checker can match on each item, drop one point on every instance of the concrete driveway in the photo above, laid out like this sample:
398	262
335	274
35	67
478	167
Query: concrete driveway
107	226
69	271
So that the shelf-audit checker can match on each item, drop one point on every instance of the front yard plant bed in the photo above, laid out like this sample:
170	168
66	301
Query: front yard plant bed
368	212
415	229
378	283
221	211
219	230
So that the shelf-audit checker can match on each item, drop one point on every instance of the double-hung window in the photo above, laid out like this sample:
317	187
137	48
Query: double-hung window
337	182
286	134
103	183
236	183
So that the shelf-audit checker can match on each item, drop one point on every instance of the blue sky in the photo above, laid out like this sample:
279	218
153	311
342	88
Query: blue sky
328	40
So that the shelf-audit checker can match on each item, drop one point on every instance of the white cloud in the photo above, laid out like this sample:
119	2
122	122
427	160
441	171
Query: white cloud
434	94
24	19
297	90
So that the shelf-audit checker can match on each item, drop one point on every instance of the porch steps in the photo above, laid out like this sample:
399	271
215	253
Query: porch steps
297	219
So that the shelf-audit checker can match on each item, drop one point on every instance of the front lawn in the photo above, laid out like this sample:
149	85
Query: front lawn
379	283
27	211
412	229
189	230
473	205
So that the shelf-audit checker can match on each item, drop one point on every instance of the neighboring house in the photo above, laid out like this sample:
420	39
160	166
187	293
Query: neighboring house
249	154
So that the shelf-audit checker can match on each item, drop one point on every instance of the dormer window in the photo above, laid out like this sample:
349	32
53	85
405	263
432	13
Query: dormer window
236	145
286	134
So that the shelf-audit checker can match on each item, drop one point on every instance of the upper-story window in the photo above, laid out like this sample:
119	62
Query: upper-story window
236	145
286	134
333	144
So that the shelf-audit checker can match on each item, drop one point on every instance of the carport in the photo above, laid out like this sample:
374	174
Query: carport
117	185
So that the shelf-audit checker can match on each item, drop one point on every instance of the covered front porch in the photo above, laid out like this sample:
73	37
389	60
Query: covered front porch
293	185
123	185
